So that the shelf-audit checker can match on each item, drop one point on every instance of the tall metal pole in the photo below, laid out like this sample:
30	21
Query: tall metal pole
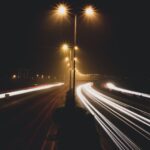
70	69
74	55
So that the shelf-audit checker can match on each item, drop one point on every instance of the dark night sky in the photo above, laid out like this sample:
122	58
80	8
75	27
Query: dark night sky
120	46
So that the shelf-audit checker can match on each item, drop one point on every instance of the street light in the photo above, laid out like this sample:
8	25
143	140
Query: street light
68	64
76	59
62	10
66	59
89	11
14	76
76	48
91	15
65	47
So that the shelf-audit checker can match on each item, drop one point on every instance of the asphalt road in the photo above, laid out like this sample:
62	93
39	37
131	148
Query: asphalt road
124	121
25	120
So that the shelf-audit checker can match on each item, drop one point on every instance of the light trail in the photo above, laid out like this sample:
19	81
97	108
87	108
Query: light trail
136	119
33	89
111	86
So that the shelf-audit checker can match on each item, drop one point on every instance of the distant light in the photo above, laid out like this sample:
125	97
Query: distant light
14	76
37	75
110	85
76	48
42	76
76	59
65	47
66	59
68	65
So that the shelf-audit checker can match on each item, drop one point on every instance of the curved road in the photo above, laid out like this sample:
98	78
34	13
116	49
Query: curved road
125	124
26	119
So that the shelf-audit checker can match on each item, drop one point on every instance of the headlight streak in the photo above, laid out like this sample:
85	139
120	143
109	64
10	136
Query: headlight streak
121	110
121	117
115	88
118	137
125	105
135	118
19	92
107	100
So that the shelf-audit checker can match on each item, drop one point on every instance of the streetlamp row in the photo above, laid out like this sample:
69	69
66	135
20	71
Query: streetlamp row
62	10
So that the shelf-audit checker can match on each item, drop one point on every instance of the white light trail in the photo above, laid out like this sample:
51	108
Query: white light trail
133	117
33	89
111	86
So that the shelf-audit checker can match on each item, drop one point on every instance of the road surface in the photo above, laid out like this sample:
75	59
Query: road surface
125	124
25	120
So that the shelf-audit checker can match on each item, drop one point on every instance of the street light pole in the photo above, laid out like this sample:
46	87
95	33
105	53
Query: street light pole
62	11
70	69
74	55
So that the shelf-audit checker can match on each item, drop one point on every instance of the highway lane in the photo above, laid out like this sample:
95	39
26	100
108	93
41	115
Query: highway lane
127	126
25	120
29	90
111	86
